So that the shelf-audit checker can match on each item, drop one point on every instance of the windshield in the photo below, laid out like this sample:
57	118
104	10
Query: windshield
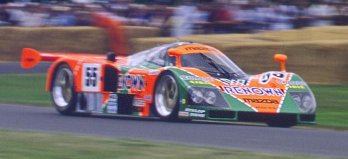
155	56
216	65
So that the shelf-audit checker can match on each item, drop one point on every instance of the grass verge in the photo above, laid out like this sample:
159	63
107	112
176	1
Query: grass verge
24	89
29	145
332	105
29	89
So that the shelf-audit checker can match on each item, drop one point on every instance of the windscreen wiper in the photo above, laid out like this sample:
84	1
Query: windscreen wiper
216	66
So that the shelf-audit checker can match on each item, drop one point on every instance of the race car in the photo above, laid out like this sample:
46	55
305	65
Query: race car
181	80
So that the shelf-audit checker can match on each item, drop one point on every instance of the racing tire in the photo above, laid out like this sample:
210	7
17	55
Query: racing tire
63	94
166	97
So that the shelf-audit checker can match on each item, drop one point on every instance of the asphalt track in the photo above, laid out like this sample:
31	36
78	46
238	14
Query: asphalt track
229	135
302	141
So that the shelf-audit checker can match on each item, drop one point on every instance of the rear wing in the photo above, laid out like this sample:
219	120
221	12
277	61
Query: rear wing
31	57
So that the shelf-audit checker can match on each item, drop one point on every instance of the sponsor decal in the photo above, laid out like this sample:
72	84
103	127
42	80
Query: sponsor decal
129	81
194	78
296	87
198	48
195	112
93	101
265	101
297	84
239	82
183	114
268	108
236	90
138	102
225	80
266	77
197	115
111	104
235	82
198	82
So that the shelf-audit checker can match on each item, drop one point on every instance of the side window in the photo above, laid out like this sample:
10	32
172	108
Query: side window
171	60
157	58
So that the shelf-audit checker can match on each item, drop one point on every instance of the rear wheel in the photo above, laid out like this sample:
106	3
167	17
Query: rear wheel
63	91
166	97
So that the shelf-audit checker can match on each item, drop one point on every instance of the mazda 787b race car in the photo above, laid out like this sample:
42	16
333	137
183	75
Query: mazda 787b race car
181	80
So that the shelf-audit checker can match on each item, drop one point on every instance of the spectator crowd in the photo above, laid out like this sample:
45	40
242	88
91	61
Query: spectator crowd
185	18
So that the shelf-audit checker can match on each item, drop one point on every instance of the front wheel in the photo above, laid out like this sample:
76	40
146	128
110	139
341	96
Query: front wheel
166	97
63	92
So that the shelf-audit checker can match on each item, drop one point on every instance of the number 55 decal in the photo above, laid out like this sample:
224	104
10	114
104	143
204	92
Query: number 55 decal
90	77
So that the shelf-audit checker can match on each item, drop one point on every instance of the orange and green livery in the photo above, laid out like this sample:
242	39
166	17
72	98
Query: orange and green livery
182	80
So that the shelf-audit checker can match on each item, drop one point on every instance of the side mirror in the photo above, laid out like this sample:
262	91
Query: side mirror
281	58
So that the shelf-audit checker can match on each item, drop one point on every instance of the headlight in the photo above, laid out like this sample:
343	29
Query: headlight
205	96
210	97
305	101
297	99
197	96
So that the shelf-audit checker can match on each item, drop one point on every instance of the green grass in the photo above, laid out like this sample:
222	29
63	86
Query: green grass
29	89
18	145
24	89
332	105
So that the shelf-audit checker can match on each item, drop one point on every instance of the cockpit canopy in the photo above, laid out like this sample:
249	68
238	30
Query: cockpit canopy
194	55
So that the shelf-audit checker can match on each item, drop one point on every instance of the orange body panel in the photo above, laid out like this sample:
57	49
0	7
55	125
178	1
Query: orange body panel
195	48
30	58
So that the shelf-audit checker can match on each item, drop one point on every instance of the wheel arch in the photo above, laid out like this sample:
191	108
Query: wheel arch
53	69
176	76
180	87
63	106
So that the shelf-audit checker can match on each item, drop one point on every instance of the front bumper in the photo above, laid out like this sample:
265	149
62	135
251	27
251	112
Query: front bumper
225	115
